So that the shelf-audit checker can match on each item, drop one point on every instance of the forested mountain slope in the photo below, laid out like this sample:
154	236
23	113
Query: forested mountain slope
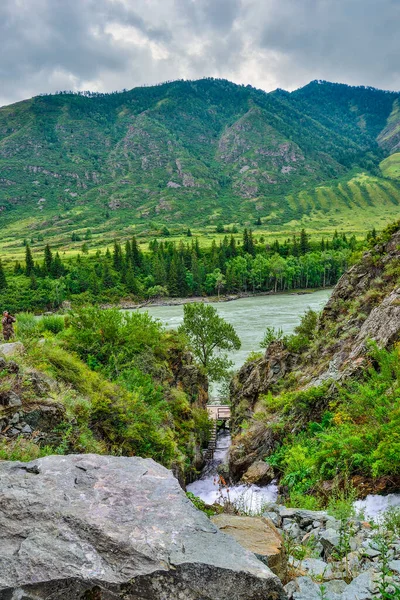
198	153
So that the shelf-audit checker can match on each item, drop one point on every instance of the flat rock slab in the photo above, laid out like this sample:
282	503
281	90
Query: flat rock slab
12	349
89	527
259	535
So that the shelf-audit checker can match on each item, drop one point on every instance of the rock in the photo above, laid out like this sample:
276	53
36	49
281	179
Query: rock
26	429
292	530
362	587
260	473
14	419
45	417
259	536
287	513
12	367
302	588
394	565
334	589
272	516
330	540
12	349
90	527
316	568
10	399
370	552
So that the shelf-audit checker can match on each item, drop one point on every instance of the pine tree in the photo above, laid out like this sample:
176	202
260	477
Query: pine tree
29	264
108	279
131	282
136	254
117	257
57	268
48	260
304	243
3	280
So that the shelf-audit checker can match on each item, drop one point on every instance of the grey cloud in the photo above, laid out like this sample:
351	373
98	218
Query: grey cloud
113	44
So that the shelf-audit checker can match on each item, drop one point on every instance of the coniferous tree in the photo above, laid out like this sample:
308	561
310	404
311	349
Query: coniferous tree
48	260
136	253
57	268
117	257
29	264
304	243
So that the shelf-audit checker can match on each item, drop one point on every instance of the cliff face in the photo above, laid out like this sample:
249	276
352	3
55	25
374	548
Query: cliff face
364	307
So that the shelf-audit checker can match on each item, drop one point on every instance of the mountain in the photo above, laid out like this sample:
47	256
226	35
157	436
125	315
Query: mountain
198	153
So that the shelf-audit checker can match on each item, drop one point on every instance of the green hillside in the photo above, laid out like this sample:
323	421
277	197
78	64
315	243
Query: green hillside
196	153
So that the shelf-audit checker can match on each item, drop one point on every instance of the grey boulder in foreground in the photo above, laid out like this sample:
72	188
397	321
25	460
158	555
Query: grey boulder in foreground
89	527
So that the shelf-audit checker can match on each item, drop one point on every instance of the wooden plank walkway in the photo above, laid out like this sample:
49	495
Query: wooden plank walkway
216	413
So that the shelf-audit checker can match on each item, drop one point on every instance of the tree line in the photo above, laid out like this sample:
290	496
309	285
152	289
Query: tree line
175	269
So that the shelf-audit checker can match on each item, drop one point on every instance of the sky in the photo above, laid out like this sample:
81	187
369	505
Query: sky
106	45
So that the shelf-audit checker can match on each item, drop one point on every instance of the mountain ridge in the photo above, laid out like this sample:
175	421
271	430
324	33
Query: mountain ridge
198	152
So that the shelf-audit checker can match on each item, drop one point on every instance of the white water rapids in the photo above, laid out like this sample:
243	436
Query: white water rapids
249	498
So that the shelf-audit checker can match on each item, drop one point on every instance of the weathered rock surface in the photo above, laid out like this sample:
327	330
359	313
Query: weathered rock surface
259	472
259	535
256	378
12	348
94	527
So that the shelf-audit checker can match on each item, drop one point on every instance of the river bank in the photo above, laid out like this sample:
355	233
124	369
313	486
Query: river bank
130	305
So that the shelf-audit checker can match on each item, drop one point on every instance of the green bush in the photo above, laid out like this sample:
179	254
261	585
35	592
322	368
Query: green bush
53	323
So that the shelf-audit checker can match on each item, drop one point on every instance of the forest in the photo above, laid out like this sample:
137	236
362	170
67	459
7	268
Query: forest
45	281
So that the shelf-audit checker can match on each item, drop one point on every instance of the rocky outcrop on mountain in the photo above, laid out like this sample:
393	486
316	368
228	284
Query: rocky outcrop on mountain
187	375
257	377
26	407
103	528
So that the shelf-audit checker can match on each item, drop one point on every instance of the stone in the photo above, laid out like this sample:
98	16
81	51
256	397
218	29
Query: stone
292	530
26	429
12	367
287	513
330	540
12	349
370	552
394	565
260	473
302	588
273	516
258	535
14	419
316	568
45	417
362	587
11	399
335	586
90	527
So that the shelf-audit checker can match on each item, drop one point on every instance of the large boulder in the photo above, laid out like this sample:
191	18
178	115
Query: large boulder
259	535
12	348
95	527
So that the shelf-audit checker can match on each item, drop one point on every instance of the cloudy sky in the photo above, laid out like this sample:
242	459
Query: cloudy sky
104	45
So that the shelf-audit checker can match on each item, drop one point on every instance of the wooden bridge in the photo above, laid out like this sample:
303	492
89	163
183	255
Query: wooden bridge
216	413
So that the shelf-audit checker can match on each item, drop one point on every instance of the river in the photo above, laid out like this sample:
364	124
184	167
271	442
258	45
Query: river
251	316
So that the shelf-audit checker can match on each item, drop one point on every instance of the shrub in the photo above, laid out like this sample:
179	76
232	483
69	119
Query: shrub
27	326
53	323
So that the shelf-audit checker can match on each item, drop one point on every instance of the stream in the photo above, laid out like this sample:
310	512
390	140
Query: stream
250	317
